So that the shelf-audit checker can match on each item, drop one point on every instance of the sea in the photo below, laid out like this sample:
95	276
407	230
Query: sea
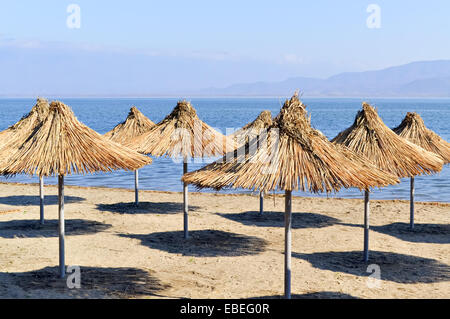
329	115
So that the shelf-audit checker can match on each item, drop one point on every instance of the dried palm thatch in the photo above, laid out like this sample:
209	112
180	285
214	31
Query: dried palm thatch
414	130
135	124
12	136
297	157
252	129
371	138
62	145
183	134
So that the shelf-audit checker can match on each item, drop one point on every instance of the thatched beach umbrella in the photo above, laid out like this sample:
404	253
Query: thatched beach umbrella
414	130
135	124
250	131
295	157
13	137
182	134
371	138
62	145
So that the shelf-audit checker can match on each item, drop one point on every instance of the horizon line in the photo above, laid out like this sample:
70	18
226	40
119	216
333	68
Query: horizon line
212	96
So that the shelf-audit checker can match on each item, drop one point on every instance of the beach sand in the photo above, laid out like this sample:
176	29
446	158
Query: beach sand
129	252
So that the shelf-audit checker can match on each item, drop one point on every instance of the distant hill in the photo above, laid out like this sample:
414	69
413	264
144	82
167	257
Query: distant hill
417	79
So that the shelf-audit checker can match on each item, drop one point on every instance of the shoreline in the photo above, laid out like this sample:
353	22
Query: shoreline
218	194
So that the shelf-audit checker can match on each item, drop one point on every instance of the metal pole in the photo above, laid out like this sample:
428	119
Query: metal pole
41	199
366	225
287	246
411	205
62	264
261	202
185	202
136	187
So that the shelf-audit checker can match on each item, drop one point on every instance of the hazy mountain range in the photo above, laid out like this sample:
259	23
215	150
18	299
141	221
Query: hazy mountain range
417	79
52	70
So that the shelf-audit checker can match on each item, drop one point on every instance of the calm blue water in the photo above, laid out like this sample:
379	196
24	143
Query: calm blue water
328	115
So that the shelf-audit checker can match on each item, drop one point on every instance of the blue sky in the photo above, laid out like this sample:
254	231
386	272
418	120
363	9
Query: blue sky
212	43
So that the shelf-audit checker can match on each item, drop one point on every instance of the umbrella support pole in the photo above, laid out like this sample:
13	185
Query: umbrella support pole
411	205
288	243
261	202
62	264
185	202
366	225
41	199
136	187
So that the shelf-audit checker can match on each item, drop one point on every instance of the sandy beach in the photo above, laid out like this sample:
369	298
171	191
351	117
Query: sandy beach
139	252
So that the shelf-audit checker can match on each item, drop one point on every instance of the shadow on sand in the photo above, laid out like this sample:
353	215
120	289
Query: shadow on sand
26	200
95	282
33	229
203	243
312	295
405	269
276	219
422	233
144	208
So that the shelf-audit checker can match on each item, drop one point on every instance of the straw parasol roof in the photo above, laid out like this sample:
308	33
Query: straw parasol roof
299	158
414	130
62	145
12	136
253	129
135	124
371	138
12	139
182	133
